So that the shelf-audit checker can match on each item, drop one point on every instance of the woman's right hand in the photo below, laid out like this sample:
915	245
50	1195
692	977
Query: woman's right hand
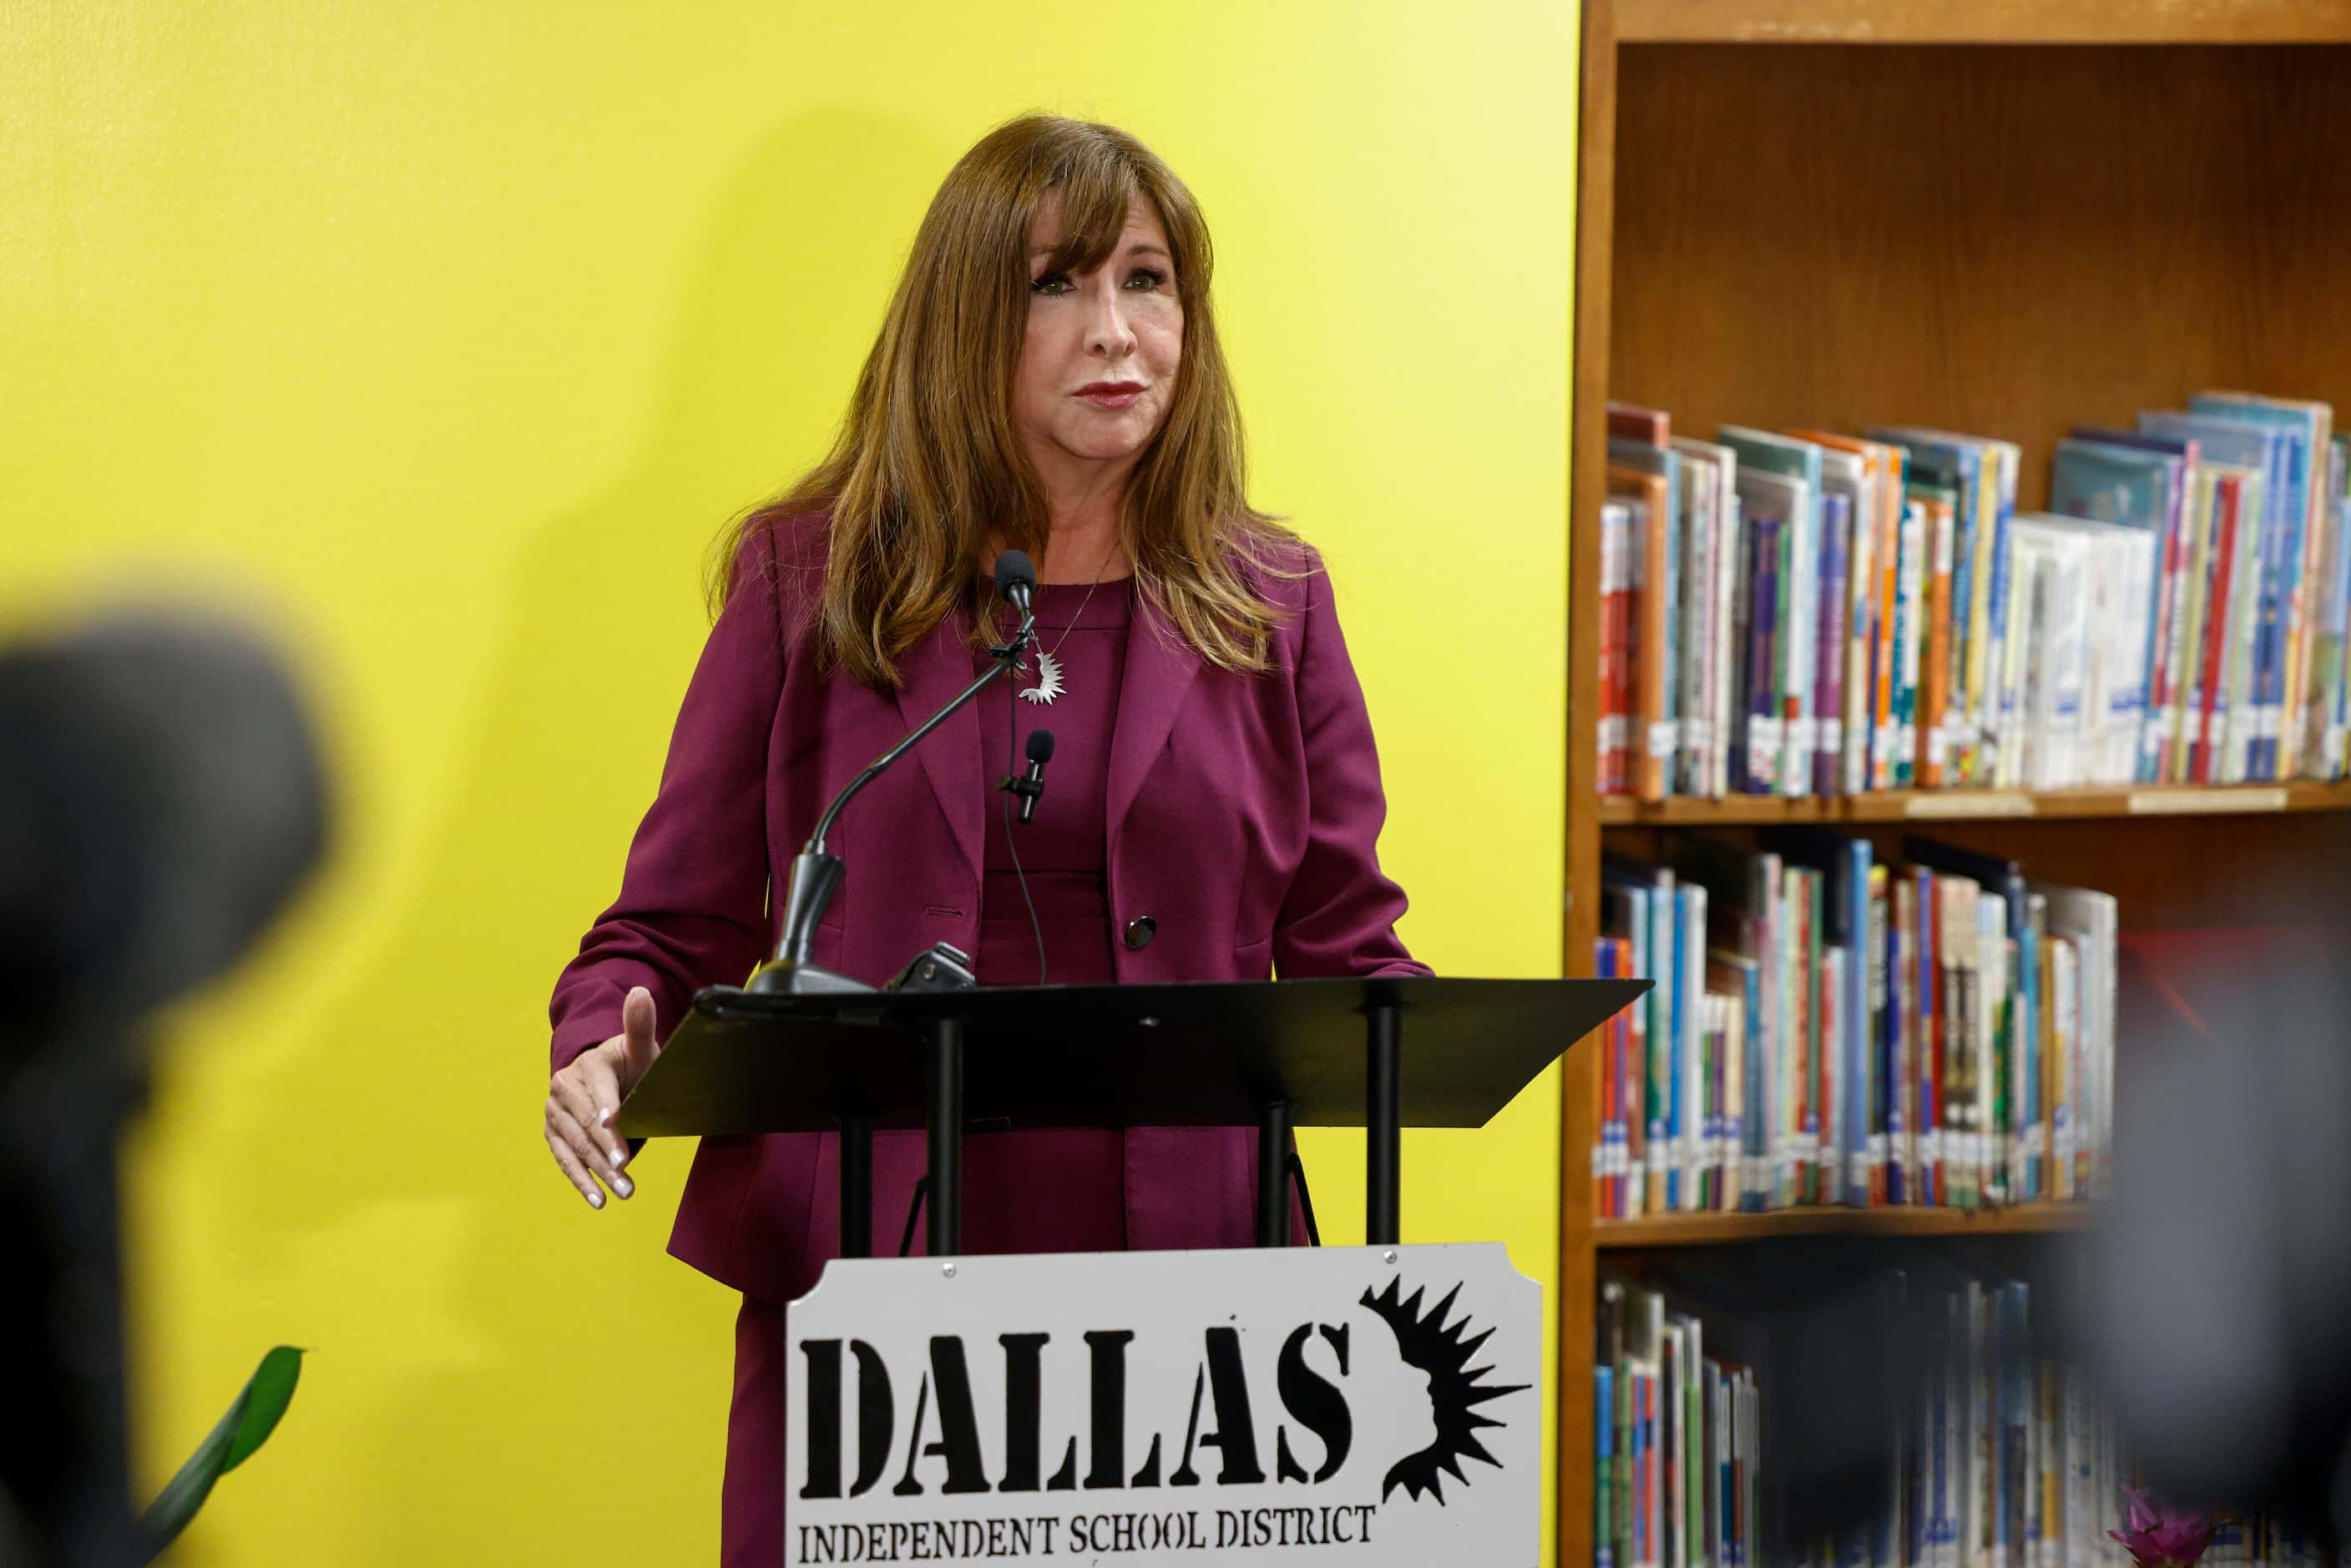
582	1100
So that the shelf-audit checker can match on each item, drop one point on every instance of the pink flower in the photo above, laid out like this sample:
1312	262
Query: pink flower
2162	1538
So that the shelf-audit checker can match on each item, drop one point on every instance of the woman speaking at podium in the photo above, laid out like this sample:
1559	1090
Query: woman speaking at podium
1048	379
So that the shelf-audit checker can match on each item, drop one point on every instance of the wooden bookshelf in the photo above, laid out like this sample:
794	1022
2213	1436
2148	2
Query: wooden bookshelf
1984	22
1832	213
1713	1230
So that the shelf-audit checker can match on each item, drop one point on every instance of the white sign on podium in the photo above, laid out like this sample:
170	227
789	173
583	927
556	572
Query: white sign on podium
1365	1405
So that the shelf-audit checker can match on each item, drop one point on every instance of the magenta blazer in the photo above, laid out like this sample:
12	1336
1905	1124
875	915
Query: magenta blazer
1243	812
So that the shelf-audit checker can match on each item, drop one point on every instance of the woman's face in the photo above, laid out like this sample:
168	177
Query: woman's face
1098	368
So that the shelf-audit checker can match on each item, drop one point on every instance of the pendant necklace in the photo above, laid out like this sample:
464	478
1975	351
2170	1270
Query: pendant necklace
1049	667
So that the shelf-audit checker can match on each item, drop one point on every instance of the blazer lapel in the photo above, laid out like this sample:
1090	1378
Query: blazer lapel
935	669
1160	666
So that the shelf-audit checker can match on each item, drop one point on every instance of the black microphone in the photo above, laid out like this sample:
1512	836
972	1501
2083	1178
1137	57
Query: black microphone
162	797
1031	784
816	874
1016	580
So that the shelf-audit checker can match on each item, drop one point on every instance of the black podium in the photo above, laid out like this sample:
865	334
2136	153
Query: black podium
1380	1054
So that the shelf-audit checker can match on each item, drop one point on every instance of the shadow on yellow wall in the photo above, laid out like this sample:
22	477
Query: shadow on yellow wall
435	1045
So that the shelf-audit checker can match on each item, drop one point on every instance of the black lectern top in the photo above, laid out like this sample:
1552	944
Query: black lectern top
1207	1054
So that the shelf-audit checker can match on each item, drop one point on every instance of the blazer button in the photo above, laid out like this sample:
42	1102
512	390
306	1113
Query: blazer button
1140	930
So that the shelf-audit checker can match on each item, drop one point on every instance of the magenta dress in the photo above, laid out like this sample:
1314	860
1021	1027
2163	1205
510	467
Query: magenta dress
1062	853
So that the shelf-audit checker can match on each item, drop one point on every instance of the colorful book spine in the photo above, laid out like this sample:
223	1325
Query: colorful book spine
1887	751
1995	1044
2005	459
1761	744
2211	696
1665	1045
1883	1125
1914	579
2028	1034
1608	734
2331	660
1937	657
1736	1050
2170	661
1649	740
1860	640
1691	1145
1603	1467
1608	1094
1835	1087
1933	1014
2269	641
1954	754
1694	665
2241	679
1834	604
2187	695
1798	641
1804	962
1977	700
1731	639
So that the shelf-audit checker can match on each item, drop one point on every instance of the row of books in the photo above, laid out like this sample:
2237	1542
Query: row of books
1678	1464
2263	1537
1804	612
2001	1456
1829	1028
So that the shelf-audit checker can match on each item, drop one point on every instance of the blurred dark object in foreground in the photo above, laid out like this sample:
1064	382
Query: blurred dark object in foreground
2217	1291
160	800
2211	1304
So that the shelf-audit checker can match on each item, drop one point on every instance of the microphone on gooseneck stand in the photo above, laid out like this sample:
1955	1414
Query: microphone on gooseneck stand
816	874
1030	785
1015	581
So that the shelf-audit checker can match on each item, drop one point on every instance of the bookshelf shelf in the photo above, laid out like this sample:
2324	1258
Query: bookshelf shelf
1984	22
1712	1229
1974	805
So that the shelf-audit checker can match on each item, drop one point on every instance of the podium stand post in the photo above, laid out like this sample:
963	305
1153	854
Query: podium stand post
1384	1127
857	1187
944	1234
1273	1174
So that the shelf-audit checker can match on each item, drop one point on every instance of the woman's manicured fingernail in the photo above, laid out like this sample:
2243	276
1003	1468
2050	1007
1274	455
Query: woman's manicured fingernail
595	1199
623	1185
618	1156
605	1117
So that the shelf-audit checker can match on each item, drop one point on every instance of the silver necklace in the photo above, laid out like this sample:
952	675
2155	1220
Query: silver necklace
1049	667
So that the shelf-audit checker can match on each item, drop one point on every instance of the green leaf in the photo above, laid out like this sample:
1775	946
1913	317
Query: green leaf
266	1395
251	1417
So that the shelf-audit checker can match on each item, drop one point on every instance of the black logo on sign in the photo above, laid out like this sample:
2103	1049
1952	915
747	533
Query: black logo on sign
1454	1394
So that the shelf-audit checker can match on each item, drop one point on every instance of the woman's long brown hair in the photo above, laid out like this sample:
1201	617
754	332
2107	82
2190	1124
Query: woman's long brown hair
928	464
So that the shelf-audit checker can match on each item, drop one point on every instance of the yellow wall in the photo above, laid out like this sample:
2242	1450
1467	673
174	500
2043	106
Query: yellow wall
455	330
